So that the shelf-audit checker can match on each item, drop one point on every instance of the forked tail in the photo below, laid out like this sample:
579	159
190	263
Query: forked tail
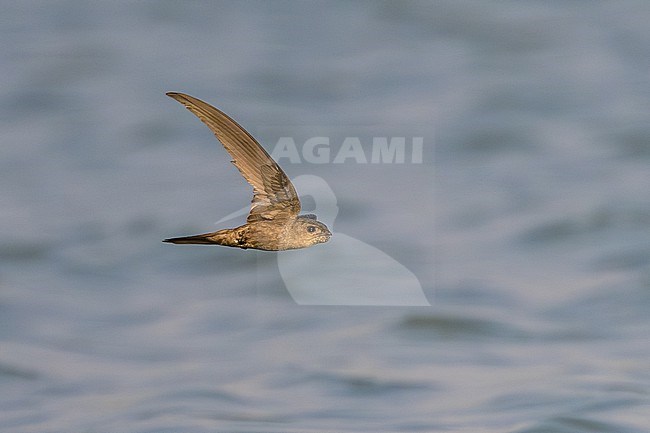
226	237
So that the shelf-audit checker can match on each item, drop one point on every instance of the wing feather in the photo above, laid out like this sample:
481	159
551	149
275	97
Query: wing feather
274	196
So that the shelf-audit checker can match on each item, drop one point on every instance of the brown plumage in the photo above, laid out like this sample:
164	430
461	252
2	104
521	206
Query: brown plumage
273	222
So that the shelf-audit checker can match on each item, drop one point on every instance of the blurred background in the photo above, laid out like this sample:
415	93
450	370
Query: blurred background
528	228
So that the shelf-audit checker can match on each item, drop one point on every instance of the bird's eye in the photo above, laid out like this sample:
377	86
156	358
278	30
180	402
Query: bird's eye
311	229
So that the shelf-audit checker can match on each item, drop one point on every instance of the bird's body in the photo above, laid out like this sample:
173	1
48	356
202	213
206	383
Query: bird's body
260	235
273	223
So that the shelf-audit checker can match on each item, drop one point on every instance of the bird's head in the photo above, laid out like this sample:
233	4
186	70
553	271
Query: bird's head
311	231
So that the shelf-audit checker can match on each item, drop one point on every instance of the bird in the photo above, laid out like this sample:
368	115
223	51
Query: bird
274	222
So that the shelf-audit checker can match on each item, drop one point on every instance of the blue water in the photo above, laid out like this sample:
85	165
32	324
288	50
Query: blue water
527	224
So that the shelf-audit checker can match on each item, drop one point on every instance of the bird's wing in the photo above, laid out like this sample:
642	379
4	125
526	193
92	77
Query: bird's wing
274	196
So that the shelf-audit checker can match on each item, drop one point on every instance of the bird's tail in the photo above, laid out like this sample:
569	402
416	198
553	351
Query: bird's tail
222	237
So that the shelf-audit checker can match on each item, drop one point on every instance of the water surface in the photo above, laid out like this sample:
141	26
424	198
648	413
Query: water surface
527	228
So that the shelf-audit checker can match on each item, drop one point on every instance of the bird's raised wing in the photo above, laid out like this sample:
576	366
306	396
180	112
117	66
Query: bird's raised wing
274	196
